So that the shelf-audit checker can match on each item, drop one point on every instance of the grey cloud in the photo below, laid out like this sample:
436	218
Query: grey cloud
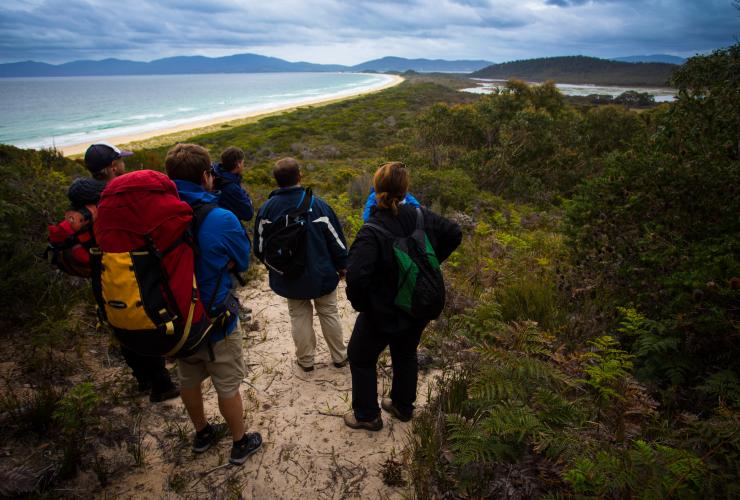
62	30
565	3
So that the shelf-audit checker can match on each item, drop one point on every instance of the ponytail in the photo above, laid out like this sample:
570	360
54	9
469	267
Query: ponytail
391	182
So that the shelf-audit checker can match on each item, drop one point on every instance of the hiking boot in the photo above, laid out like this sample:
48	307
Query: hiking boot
246	446
373	425
341	364
158	397
208	436
305	368
387	405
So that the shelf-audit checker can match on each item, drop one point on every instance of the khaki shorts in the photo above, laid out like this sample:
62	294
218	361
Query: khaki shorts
226	370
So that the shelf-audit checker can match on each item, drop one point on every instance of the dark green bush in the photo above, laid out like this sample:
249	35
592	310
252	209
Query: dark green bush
32	195
659	231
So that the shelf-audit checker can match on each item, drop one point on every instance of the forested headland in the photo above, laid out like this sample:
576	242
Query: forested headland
581	69
590	339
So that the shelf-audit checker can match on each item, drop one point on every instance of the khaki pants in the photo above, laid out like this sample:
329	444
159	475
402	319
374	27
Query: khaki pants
226	370
301	322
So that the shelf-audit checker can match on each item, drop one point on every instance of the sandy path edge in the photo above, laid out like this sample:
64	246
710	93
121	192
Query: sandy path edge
181	132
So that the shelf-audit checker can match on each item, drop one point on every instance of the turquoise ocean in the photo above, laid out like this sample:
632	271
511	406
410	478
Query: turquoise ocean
62	111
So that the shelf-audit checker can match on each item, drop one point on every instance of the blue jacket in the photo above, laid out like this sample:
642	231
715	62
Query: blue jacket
326	250
372	202
233	197
221	238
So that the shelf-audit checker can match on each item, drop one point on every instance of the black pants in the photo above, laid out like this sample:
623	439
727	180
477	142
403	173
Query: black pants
364	348
149	371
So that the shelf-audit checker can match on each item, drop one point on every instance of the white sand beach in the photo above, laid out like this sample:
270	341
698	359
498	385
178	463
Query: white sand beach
191	129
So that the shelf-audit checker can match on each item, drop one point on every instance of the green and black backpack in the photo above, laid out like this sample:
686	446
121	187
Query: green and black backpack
421	288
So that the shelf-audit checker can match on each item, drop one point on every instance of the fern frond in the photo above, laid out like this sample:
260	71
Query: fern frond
469	441
508	421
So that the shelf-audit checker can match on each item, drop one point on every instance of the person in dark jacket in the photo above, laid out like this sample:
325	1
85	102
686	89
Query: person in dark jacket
372	280
228	180
105	162
222	245
326	262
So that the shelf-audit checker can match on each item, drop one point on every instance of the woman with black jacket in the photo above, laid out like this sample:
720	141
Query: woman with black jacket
372	280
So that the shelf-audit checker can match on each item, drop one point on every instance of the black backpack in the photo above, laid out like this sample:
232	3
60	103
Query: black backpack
284	247
421	288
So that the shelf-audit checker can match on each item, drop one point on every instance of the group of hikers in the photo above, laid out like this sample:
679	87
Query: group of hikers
165	253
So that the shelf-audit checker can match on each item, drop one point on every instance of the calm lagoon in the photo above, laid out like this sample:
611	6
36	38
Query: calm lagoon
659	93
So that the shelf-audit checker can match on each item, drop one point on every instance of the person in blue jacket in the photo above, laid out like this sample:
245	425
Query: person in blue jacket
228	180
373	202
232	196
326	263
222	245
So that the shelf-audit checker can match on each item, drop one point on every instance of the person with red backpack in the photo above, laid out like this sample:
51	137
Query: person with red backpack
222	246
106	162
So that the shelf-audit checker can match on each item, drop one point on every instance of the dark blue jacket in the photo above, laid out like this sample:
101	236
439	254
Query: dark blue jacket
233	197
326	250
221	238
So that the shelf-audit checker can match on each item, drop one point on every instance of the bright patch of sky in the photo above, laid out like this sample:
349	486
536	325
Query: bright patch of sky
339	31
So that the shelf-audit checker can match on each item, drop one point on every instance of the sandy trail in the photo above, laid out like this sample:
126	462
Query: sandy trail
308	451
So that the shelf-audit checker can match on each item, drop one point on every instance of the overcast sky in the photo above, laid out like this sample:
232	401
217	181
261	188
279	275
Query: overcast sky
353	31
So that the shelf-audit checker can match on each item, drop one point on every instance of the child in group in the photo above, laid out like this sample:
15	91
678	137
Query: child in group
227	178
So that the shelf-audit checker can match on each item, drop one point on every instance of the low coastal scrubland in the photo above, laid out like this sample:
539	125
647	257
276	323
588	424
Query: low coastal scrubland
589	343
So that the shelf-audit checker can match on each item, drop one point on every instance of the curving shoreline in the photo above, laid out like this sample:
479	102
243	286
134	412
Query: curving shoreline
181	132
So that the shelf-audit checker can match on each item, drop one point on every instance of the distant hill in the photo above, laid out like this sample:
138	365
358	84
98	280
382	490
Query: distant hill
239	63
581	69
401	64
660	58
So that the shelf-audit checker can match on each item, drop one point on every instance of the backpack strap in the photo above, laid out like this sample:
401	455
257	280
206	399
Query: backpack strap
305	203
200	212
419	219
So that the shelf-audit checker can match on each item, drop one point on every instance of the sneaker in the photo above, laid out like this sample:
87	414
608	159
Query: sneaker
305	368
208	436
373	425
387	405
248	445
158	397
341	364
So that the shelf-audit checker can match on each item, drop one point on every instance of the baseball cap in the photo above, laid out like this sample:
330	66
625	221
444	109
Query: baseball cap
101	155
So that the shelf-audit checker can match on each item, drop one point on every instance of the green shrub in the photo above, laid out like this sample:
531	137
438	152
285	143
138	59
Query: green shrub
75	415
32	195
